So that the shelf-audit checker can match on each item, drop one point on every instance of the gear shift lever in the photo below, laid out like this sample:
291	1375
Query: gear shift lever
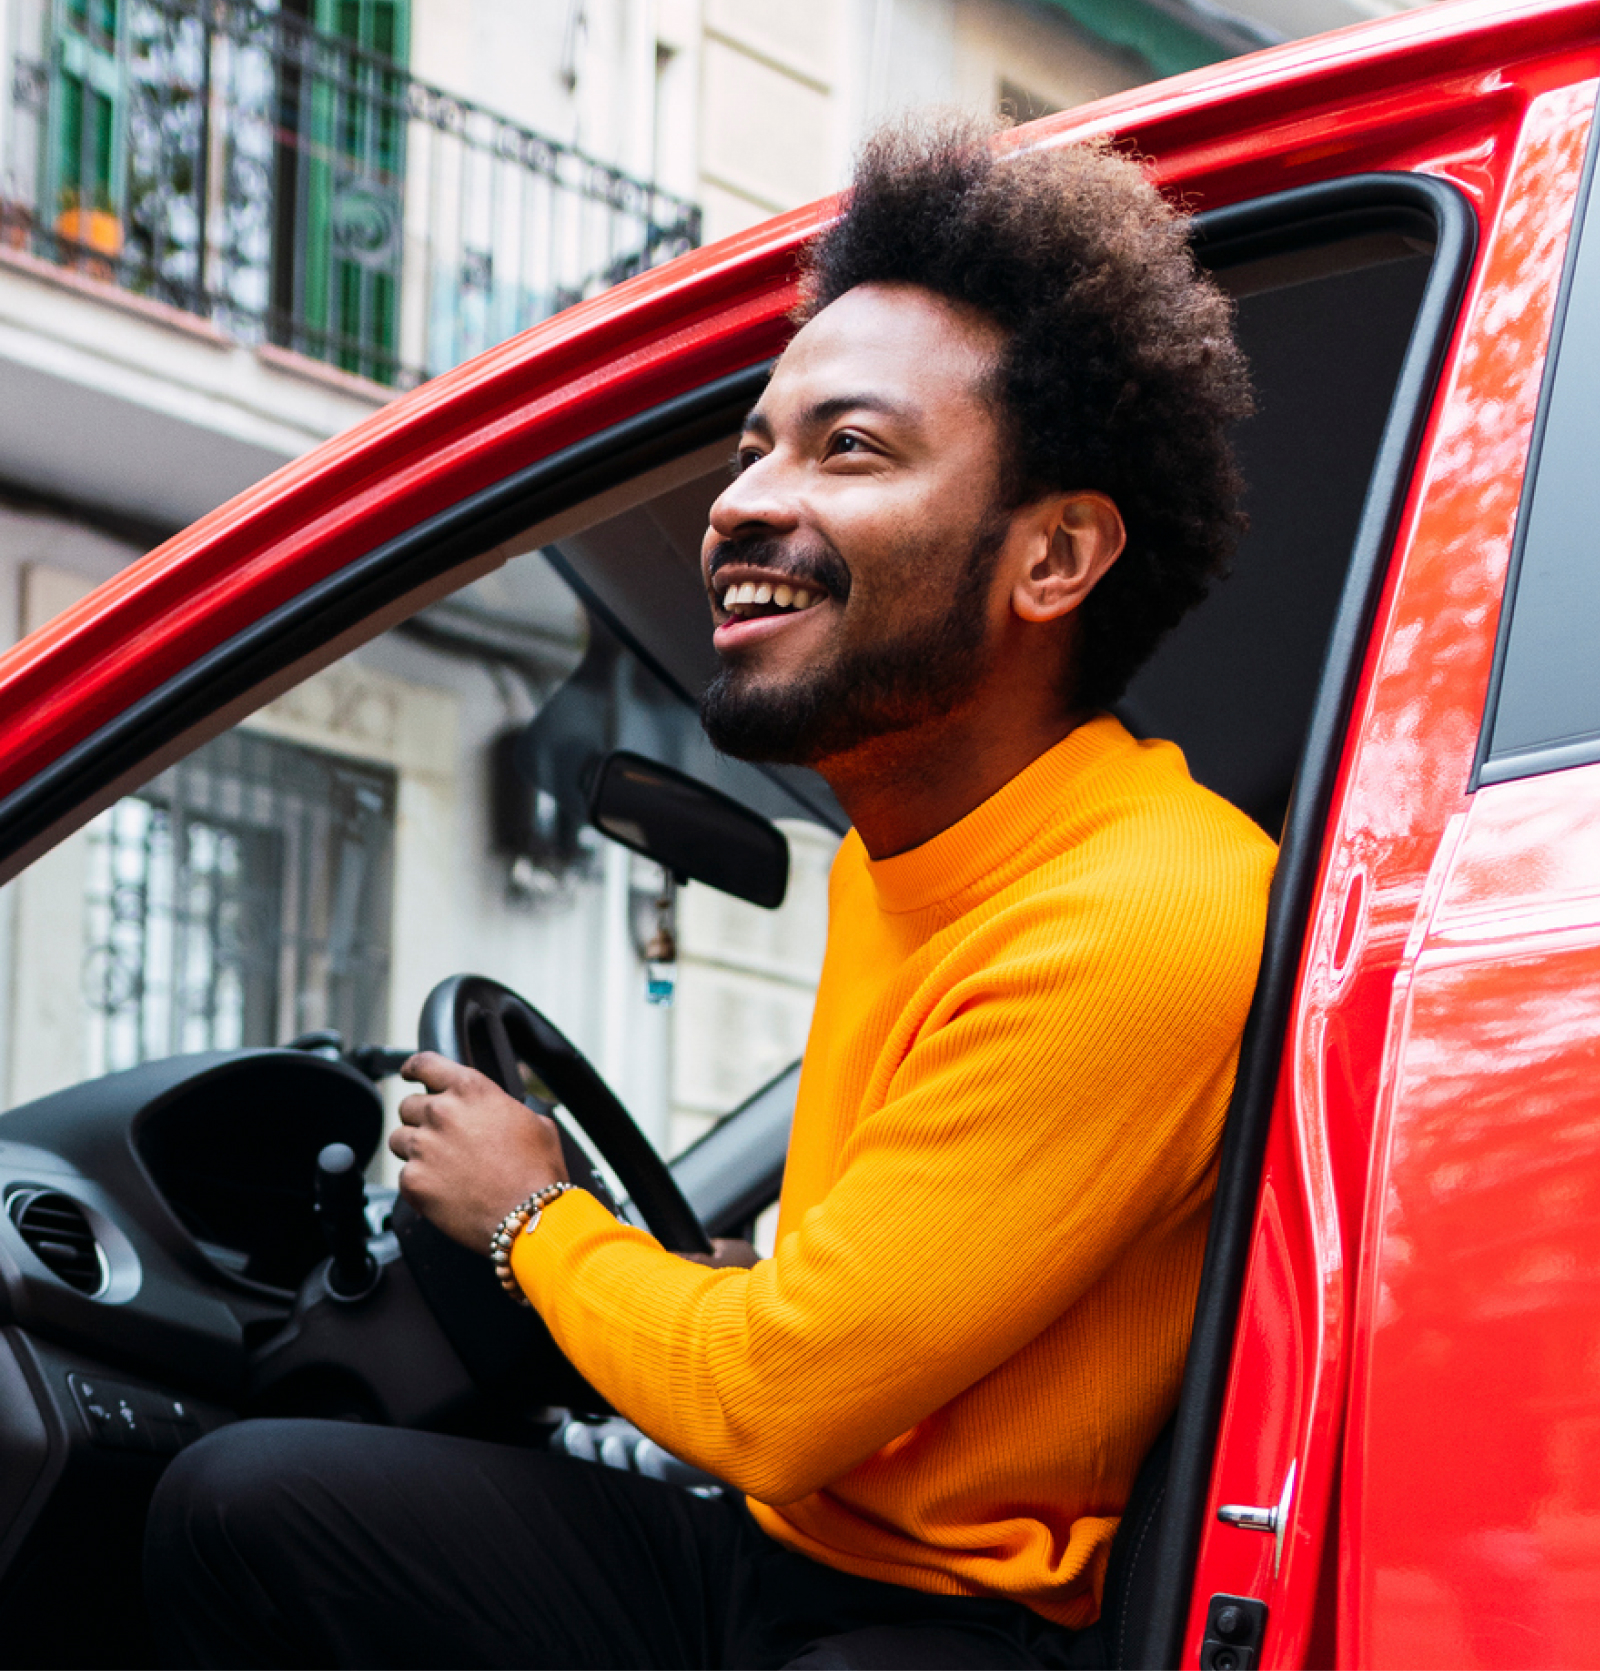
341	1202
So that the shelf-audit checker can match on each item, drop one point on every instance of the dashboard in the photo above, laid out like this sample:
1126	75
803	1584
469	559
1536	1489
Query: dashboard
159	1277
164	1216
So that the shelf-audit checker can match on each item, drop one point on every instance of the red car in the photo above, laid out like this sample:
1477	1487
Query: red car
1388	1447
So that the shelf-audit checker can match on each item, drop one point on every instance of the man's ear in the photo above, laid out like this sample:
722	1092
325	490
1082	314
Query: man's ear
1071	540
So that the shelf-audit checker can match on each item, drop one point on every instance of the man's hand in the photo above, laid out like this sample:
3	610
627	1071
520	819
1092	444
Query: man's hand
471	1152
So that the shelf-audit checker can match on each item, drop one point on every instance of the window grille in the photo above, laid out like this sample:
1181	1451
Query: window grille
239	899
276	169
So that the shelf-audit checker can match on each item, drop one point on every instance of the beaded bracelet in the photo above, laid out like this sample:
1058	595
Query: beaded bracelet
522	1217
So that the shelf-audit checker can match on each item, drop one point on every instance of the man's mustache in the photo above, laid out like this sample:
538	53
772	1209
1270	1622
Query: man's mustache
814	562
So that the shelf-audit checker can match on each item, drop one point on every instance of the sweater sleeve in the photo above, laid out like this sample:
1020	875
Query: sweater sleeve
1053	1104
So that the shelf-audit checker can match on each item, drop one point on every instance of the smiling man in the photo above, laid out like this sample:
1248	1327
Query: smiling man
988	473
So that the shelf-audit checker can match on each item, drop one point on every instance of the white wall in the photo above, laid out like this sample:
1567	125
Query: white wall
788	92
1038	50
127	405
747	979
580	71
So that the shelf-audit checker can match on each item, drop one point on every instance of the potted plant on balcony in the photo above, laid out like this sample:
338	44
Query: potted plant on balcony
90	233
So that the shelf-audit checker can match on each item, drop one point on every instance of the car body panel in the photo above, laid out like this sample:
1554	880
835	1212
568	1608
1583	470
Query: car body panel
1412	744
1479	1539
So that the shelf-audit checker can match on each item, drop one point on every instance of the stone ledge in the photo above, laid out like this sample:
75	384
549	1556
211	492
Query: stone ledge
111	295
342	382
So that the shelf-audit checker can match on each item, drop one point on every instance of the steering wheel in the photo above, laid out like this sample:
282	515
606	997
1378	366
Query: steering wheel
487	1026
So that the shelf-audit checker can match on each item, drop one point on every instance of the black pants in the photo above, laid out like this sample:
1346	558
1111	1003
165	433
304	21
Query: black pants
302	1543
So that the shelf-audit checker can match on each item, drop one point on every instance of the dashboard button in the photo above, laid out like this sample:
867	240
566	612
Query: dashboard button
98	1414
133	1418
172	1422
133	1429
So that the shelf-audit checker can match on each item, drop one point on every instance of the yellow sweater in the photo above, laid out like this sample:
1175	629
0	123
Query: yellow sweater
995	1202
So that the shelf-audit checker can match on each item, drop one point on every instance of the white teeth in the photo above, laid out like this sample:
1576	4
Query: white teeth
764	592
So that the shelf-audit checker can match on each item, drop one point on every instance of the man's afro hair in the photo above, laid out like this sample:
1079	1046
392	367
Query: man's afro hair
1120	373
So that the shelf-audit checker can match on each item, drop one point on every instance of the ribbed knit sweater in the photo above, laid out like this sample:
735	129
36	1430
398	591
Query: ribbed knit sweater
994	1209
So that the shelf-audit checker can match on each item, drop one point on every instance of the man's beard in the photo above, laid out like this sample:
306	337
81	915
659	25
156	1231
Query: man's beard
863	693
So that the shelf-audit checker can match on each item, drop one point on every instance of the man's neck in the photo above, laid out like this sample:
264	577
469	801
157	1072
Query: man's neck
902	790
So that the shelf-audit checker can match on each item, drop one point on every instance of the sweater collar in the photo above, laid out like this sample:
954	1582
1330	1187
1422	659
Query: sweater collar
993	832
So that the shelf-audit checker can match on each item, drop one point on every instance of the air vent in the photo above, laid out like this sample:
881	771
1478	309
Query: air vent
57	1229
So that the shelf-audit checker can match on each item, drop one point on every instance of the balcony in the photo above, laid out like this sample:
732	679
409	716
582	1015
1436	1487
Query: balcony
298	189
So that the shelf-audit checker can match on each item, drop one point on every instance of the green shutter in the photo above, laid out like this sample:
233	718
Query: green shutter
355	180
85	172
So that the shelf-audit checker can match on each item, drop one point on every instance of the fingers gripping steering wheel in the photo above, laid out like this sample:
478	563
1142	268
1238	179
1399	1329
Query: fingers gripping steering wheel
485	1025
488	1027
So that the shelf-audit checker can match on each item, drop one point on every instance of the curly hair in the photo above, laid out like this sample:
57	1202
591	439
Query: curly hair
1119	375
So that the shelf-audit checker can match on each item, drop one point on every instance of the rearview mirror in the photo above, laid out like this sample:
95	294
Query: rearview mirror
695	831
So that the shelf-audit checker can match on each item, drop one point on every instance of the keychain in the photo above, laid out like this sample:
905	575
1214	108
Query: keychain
661	954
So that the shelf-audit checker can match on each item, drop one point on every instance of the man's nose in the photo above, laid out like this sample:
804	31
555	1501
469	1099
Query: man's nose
758	500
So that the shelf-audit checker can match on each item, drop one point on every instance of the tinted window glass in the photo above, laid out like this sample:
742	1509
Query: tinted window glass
1547	711
1325	330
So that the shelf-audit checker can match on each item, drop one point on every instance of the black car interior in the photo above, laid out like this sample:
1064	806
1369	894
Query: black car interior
166	1237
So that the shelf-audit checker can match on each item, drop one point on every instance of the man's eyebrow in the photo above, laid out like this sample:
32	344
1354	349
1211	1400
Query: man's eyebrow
835	406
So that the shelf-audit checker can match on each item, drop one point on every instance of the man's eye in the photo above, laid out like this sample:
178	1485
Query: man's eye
744	458
847	444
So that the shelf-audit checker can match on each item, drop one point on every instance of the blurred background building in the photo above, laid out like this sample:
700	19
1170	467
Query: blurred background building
228	231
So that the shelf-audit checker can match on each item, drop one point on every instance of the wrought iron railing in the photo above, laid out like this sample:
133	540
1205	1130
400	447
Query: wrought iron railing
296	188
